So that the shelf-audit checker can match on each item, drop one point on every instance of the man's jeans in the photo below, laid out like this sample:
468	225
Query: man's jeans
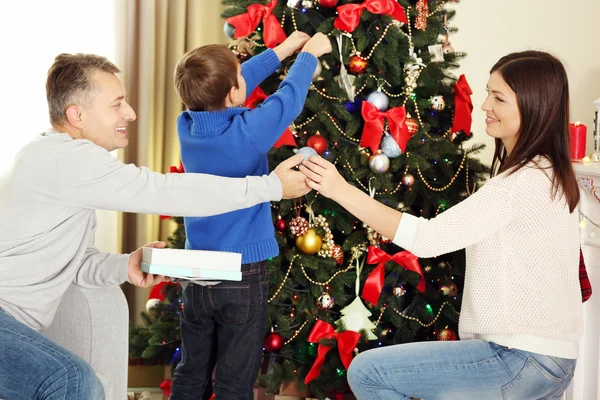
461	370
222	324
34	367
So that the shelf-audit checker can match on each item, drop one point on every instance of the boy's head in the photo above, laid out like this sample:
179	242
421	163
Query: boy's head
209	79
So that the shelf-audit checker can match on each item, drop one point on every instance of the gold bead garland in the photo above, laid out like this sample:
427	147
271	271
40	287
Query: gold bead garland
419	321
328	243
296	332
284	278
462	164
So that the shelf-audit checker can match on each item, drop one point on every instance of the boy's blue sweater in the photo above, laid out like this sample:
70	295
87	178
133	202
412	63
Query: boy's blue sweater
234	143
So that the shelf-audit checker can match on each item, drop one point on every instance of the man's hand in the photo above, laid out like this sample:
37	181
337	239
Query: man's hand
139	277
293	43
293	182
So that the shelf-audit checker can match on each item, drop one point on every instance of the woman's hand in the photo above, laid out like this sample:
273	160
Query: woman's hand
323	177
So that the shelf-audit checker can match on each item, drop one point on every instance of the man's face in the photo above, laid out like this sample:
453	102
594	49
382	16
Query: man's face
107	113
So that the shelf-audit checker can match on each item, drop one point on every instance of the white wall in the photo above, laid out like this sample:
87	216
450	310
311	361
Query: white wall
32	33
490	29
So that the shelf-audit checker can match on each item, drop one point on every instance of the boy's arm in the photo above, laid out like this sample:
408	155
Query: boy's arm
258	68
267	122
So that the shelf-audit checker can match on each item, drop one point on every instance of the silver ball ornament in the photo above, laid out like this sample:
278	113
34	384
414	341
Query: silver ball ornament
229	30
379	100
151	303
437	103
389	147
379	162
306	152
325	301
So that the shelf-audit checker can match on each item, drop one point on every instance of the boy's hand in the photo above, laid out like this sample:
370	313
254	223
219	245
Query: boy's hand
293	43
318	45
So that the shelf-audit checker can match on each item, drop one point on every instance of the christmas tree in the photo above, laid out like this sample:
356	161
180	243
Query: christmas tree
389	112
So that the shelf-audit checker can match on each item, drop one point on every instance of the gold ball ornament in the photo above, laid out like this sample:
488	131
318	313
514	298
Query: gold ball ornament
310	242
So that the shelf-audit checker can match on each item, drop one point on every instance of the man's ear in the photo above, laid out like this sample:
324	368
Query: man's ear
74	116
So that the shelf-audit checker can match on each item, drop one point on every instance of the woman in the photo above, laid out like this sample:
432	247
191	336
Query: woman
521	308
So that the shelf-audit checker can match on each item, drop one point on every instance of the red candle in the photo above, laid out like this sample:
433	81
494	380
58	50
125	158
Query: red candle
578	132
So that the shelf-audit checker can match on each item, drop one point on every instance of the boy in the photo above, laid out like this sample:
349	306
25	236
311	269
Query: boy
224	323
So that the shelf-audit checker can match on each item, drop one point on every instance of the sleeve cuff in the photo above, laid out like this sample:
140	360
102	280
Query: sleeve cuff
270	61
276	189
123	268
406	232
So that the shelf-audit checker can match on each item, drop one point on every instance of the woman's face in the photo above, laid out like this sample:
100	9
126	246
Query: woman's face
503	118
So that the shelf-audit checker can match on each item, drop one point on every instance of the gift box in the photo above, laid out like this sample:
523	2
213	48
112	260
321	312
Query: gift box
192	264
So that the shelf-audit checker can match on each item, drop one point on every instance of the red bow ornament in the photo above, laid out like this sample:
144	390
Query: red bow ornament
165	386
258	95
374	283
346	343
173	170
374	124
349	15
463	106
247	23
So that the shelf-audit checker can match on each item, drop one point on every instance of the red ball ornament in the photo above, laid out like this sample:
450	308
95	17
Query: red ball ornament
446	334
317	142
357	64
273	342
280	224
328	3
412	125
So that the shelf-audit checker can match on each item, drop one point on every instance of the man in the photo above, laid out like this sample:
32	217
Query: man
48	200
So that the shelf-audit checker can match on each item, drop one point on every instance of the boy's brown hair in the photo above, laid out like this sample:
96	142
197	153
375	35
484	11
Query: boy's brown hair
204	76
69	82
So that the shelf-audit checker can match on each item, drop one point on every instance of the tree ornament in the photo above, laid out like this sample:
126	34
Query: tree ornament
408	179
298	226
412	125
310	242
328	3
437	103
423	9
306	152
294	3
374	238
325	301
379	162
447	48
326	249
280	224
399	291
357	64
388	331
152	303
379	100
389	147
338	254
446	334
449	290
229	30
317	142
273	342
308	3
355	317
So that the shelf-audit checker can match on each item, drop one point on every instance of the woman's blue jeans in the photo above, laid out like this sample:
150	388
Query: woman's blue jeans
34	367
466	369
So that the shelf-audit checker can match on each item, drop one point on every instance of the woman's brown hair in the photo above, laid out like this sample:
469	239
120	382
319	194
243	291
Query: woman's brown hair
540	83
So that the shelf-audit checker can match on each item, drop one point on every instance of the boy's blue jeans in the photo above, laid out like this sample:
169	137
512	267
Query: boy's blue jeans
222	325
461	370
34	367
